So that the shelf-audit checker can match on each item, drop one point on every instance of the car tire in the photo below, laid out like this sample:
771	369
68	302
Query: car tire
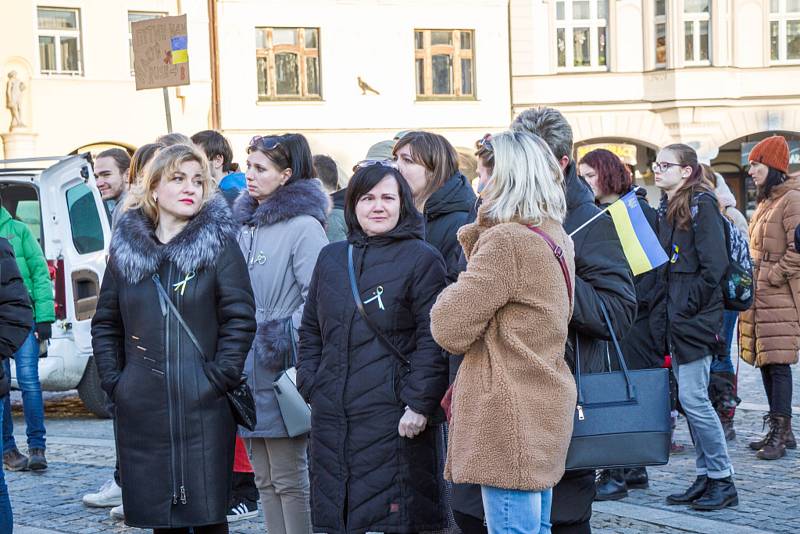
94	398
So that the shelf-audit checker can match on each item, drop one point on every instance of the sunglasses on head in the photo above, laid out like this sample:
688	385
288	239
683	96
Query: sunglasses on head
485	142
363	164
267	143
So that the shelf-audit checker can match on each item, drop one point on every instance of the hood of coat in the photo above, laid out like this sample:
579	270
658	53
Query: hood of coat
724	194
338	199
136	252
578	191
410	226
299	197
455	195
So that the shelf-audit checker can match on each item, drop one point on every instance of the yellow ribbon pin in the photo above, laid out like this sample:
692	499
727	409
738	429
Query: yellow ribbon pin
181	286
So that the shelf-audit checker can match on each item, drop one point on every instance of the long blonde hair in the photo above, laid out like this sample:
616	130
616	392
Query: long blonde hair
527	183
163	165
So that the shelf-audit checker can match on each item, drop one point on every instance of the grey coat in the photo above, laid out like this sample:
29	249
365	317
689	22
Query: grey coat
280	239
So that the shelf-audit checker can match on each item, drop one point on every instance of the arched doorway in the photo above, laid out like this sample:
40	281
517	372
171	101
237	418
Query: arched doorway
732	162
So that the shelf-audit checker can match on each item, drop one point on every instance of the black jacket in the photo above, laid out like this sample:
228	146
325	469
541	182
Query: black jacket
640	348
601	274
447	210
16	315
174	428
689	309
364	476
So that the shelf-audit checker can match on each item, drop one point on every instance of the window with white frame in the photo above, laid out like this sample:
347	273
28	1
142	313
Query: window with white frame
59	40
136	16
582	34
697	32
660	33
784	30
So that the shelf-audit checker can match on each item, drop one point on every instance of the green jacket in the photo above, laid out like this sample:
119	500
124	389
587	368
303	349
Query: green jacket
32	266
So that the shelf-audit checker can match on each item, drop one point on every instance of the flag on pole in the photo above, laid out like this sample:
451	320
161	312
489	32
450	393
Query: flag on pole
639	242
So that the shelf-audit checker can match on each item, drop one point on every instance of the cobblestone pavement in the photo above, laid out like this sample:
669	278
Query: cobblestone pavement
81	455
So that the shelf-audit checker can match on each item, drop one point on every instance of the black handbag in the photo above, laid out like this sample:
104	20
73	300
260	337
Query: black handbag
621	418
240	398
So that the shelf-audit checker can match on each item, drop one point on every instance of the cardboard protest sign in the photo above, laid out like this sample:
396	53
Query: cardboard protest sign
160	52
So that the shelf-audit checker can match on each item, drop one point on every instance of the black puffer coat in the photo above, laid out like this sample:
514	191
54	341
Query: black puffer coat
689	310
174	428
640	348
601	273
364	476
16	314
446	211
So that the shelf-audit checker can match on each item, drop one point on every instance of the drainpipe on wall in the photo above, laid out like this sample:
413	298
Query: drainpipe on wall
213	46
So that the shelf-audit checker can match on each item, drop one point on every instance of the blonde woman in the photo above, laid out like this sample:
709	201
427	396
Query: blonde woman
174	322
514	395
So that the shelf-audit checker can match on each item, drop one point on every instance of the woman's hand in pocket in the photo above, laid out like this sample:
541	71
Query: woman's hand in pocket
411	424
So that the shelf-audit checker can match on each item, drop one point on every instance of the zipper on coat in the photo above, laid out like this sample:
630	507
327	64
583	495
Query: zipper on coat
181	417
168	367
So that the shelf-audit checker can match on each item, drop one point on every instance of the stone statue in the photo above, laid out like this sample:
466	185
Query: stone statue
14	89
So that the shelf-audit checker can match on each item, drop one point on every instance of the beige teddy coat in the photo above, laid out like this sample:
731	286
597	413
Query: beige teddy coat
514	396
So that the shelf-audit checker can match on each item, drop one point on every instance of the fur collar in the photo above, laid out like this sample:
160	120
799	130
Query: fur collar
136	253
300	197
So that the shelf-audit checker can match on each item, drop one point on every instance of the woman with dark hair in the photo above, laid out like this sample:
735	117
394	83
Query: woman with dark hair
770	329
609	180
283	214
692	232
429	164
174	320
371	371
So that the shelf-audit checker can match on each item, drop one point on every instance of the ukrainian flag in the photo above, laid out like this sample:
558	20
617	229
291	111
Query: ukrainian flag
641	246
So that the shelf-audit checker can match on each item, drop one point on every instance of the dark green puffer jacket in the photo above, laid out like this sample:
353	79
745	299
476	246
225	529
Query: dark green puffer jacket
32	266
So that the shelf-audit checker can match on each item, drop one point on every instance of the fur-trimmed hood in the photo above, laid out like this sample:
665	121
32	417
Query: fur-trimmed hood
299	197
135	251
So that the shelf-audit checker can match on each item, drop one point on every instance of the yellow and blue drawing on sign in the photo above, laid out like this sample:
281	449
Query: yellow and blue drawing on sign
179	51
639	242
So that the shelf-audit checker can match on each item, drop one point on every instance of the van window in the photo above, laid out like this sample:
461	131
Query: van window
87	231
22	202
28	212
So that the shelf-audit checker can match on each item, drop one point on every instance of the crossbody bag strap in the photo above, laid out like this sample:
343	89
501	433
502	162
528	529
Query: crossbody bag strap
360	306
558	252
164	299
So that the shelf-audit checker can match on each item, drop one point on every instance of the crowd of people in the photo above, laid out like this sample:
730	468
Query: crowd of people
434	332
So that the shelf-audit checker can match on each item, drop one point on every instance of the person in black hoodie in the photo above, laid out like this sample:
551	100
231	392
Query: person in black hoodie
692	232
429	164
610	179
375	460
16	318
601	275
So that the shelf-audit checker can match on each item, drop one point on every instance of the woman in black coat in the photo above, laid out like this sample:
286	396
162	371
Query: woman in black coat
375	461
692	232
609	180
174	427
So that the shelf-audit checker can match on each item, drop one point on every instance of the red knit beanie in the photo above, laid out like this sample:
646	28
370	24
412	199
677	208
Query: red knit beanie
772	152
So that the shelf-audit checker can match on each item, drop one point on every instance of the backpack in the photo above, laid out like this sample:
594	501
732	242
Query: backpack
738	285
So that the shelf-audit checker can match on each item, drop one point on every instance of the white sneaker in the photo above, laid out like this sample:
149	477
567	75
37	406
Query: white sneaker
117	513
109	495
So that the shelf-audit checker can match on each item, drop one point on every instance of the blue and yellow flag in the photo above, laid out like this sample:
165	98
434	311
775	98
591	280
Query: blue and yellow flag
641	246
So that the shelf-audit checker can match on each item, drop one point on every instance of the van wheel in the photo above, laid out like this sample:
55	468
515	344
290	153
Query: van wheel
90	392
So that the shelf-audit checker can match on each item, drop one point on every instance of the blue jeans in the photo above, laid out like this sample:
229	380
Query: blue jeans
709	440
6	516
26	361
517	512
723	363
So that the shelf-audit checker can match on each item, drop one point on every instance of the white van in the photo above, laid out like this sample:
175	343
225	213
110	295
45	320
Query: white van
58	199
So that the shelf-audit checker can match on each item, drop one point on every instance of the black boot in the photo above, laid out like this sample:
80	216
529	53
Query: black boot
611	485
636	478
720	493
695	491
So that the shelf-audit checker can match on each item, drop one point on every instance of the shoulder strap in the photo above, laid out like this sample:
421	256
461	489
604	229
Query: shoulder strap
360	306
558	253
163	299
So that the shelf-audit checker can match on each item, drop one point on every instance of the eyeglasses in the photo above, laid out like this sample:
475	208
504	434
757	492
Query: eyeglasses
663	166
363	164
267	143
485	142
